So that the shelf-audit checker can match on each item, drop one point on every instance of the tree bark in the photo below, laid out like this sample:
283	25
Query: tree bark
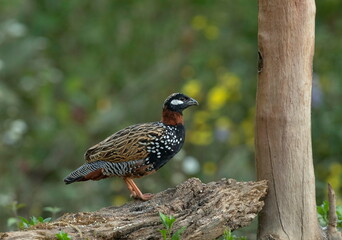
283	125
205	209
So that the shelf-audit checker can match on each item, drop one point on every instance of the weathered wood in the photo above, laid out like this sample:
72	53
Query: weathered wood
332	232
205	209
286	37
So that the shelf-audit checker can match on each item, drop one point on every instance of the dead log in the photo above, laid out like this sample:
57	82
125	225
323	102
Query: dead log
205	209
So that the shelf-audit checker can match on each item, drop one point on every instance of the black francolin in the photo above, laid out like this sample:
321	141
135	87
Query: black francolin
137	150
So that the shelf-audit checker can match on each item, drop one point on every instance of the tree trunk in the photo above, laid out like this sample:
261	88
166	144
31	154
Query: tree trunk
283	127
206	210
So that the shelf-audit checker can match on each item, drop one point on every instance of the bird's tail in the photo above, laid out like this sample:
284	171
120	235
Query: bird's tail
88	171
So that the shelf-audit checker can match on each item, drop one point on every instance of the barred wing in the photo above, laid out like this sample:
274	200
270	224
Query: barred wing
128	144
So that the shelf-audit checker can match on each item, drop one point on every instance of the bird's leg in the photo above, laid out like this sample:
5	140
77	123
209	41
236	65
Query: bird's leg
130	188
136	193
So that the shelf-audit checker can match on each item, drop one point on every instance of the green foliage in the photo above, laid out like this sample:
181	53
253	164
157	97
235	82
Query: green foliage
63	236
25	223
168	222
227	235
323	211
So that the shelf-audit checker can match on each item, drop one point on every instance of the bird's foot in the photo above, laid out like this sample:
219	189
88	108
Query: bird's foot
143	197
135	191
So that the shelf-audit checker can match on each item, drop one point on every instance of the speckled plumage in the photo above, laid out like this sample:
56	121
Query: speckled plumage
137	150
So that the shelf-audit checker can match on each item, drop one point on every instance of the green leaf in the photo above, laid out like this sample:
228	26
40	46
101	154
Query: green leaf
34	220
323	212
164	219
227	235
170	220
325	206
24	223
47	220
320	210
24	220
178	233
12	221
339	217
63	236
164	233
339	210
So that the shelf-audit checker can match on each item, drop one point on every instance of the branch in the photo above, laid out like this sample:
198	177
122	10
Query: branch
333	233
205	209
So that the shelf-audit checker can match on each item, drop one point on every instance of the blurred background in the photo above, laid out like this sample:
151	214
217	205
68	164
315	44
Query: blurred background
74	72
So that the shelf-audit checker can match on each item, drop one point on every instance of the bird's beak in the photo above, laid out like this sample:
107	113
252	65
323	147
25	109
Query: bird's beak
192	102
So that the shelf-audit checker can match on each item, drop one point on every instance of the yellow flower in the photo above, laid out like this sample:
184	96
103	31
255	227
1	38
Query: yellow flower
217	97
200	137
199	22
192	88
211	32
231	81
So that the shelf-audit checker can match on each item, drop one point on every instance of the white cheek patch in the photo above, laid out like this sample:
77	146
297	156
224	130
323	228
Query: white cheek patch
176	102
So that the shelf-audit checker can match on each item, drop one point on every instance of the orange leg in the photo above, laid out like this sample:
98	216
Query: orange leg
135	191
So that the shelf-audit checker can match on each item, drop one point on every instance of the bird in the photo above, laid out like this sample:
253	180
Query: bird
137	150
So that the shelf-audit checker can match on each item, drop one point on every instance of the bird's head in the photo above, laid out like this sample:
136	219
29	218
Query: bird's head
177	102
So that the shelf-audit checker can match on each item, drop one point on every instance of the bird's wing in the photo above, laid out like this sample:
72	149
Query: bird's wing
128	144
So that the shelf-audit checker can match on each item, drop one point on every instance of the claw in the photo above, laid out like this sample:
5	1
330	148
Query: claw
144	197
